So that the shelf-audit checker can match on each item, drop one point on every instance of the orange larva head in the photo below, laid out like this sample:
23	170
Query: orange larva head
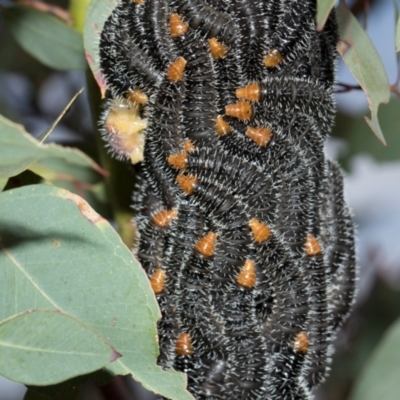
176	69
178	161
187	183
273	58
164	217
176	26
123	128
157	281
223	128
139	1
247	277
206	245
218	50
260	136
301	343
261	232
137	96
250	92
311	246
183	346
242	110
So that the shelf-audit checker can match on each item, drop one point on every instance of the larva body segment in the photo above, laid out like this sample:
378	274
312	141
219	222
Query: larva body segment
243	229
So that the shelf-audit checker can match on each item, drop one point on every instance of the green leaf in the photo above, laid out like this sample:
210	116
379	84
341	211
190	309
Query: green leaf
96	15
358	140
324	7
18	150
57	253
364	62
46	38
3	183
398	35
43	347
380	376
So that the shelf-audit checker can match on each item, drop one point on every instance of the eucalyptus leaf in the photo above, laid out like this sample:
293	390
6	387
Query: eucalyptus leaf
380	376
57	253
96	15
18	150
46	38
3	183
355	132
43	347
324	7
364	62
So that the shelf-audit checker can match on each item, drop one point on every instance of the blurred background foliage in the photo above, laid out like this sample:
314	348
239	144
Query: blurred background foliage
34	94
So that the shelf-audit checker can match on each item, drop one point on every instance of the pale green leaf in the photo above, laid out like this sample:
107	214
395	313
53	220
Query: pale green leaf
380	376
57	253
18	150
324	7
43	347
364	62
3	183
358	140
96	15
46	38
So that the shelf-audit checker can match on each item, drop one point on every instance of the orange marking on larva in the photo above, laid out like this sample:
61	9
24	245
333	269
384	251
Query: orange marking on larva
176	69
188	146
178	161
223	128
164	217
241	110
157	281
137	96
176	26
247	277
206	245
218	50
187	183
259	135
301	343
183	345
273	58
311	246
261	232
250	92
